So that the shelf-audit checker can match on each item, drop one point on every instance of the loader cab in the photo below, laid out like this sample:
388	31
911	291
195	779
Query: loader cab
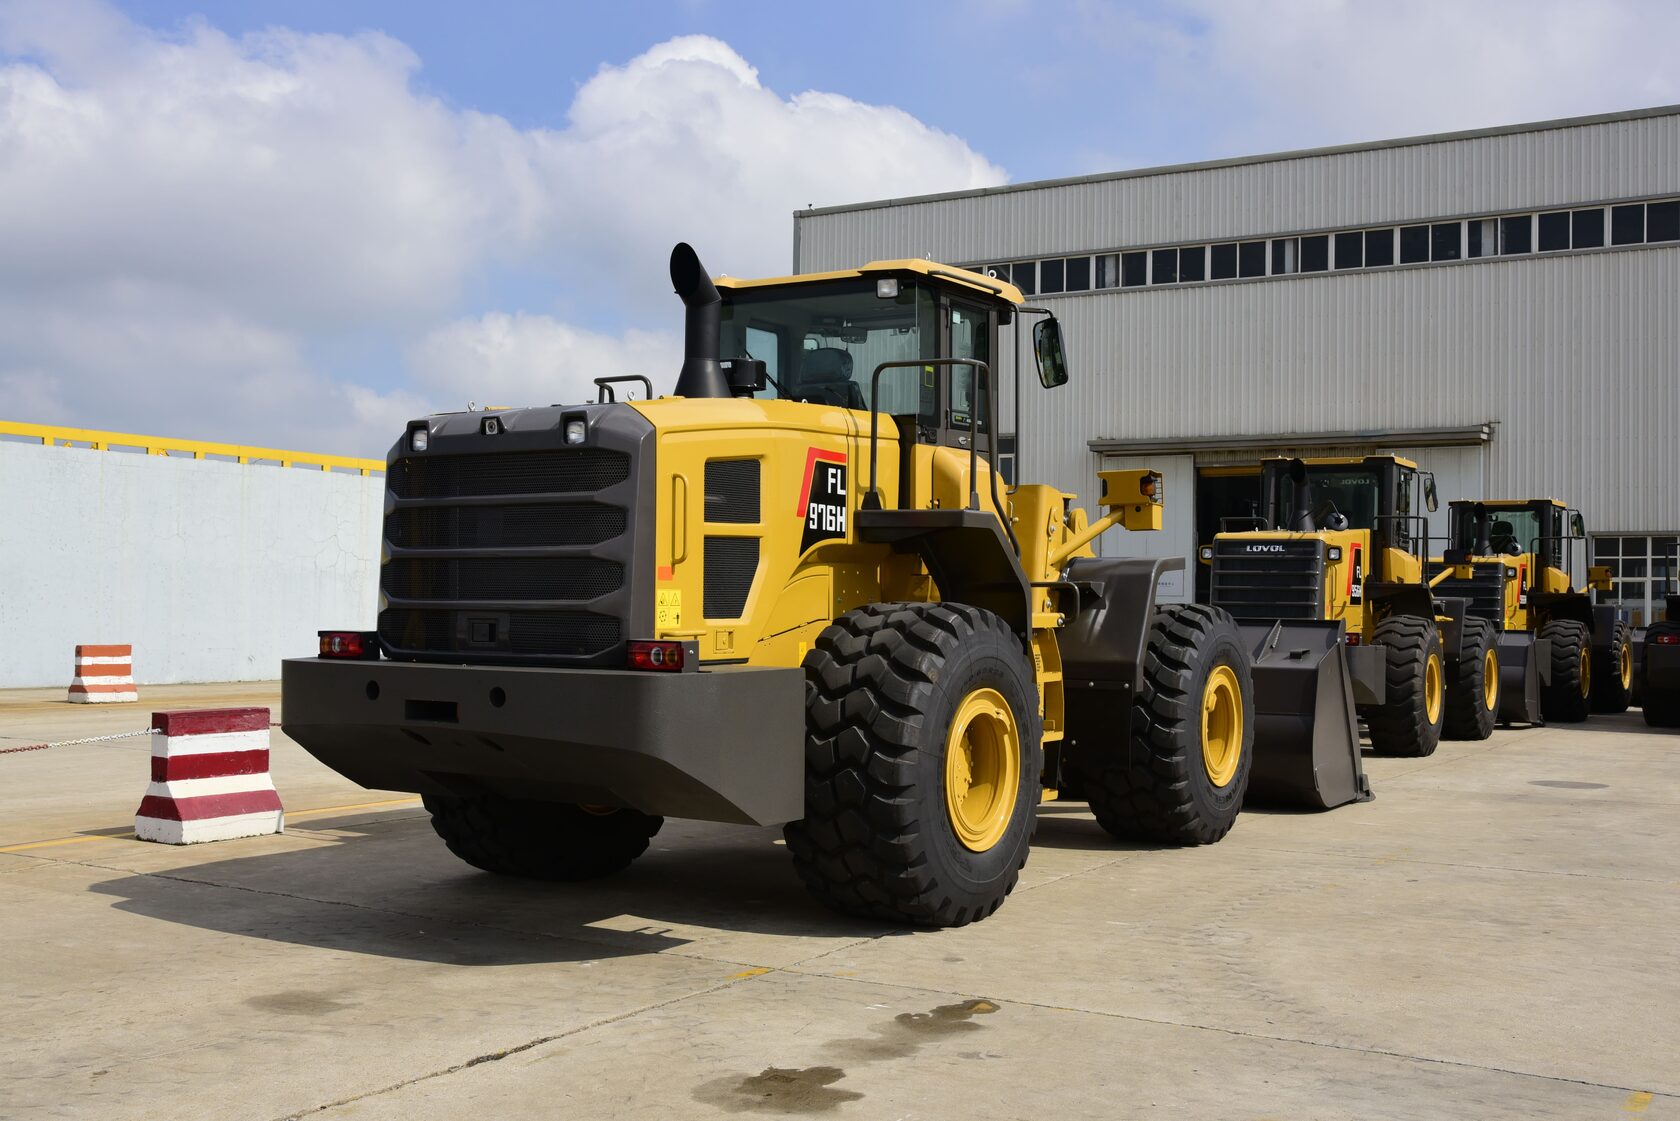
821	338
1379	494
1537	527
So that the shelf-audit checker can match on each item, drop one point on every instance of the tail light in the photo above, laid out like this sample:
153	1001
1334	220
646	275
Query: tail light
666	656
1667	640
1353	638
352	645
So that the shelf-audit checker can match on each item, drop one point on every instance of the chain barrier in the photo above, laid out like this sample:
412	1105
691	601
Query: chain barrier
73	743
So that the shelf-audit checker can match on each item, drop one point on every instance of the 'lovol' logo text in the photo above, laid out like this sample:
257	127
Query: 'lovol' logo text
1265	548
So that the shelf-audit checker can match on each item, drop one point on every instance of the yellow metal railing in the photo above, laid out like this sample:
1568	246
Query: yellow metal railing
51	435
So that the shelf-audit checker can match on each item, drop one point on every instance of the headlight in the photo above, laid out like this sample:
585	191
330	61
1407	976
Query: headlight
419	440
577	430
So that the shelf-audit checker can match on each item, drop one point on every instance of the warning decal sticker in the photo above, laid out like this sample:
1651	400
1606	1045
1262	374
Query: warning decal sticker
822	500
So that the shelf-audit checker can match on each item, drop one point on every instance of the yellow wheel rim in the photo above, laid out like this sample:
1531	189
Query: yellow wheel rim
1432	688
1222	725
1627	667
982	769
1586	672
1490	679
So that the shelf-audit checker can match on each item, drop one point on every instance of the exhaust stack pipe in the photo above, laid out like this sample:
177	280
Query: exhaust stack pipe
701	374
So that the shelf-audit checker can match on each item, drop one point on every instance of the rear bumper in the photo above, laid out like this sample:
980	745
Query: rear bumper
720	745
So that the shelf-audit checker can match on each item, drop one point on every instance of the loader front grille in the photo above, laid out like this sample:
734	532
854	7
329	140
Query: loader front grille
1268	579
510	546
1483	593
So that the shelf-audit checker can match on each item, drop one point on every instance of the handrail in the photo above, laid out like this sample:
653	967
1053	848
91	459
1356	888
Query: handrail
99	440
872	497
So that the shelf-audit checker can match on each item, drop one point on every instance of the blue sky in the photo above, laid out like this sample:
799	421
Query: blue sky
300	223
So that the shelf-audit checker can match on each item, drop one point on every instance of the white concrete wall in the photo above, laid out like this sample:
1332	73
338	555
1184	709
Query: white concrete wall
214	571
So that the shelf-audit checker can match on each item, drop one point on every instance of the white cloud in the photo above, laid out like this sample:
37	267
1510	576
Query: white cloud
188	218
503	359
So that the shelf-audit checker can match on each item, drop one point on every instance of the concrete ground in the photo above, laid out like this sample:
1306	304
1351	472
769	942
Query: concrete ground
1493	937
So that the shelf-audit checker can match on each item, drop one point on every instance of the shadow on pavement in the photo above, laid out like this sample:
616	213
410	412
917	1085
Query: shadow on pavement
391	889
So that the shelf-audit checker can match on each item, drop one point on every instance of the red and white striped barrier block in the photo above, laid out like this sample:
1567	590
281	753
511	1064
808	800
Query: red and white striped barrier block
210	779
104	674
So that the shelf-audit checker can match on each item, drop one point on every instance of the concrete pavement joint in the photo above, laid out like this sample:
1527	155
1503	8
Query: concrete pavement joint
1457	1063
498	1056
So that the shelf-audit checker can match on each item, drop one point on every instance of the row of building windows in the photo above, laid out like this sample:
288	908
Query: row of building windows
1505	235
1644	571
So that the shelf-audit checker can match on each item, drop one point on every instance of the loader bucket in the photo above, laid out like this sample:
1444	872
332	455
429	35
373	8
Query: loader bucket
1306	733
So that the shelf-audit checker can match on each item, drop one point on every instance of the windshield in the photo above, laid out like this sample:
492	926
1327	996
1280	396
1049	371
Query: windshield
1350	491
1510	531
822	342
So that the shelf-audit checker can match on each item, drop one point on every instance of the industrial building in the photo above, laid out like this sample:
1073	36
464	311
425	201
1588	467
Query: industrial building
1501	305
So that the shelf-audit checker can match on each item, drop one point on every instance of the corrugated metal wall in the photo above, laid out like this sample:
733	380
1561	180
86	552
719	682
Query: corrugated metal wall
1576	357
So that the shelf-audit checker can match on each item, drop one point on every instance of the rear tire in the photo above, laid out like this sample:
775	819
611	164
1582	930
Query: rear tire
1565	700
889	690
1612	674
540	840
1473	691
1173	778
1409	723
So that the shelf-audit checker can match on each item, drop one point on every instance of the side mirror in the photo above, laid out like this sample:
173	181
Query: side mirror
1577	525
1429	498
1049	354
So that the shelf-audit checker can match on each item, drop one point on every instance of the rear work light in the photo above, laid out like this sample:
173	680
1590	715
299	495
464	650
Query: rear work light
666	656
362	645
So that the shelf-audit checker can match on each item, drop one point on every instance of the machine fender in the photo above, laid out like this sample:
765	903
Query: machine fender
1450	612
1605	616
1401	599
965	552
1102	644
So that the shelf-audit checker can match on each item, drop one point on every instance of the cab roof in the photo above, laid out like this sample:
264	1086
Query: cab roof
1507	503
933	270
1344	460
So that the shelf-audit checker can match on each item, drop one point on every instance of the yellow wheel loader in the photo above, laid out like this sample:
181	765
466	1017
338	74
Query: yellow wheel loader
1327	584
1562	656
794	592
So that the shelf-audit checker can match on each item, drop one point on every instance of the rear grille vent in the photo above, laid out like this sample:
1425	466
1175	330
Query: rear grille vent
579	471
502	578
478	527
1284	581
731	564
732	491
541	634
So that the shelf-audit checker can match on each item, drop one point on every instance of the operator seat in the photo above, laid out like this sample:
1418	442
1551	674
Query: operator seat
825	377
1502	538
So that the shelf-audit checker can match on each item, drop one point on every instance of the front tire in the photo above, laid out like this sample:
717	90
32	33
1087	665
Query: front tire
922	764
1566	699
540	840
1178	775
1409	722
1473	691
1612	675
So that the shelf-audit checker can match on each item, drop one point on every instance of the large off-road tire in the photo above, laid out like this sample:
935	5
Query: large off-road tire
1566	699
540	840
1660	706
923	758
1473	688
1179	773
1409	722
1612	672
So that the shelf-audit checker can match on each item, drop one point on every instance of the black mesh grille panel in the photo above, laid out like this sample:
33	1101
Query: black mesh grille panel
501	578
541	634
1269	579
731	564
476	527
578	471
1485	591
732	491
